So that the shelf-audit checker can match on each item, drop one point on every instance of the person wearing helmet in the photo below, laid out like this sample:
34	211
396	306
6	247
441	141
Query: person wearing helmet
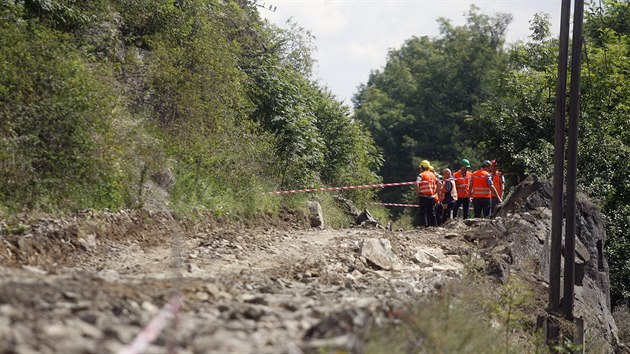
482	190
498	180
462	181
426	191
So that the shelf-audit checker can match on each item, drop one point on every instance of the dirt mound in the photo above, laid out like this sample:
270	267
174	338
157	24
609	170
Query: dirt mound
50	242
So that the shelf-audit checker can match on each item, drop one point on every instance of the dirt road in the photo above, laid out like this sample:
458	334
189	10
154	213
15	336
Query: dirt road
246	290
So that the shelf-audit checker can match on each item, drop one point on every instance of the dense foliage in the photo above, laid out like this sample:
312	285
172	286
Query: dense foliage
97	96
463	95
519	120
416	106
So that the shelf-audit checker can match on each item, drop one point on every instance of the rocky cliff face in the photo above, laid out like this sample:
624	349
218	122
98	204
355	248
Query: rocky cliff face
518	240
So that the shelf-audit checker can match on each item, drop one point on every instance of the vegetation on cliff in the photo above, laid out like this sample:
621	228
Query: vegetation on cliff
98	96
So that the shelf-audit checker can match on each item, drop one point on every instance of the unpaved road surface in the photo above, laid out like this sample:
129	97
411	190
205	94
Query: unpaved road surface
245	290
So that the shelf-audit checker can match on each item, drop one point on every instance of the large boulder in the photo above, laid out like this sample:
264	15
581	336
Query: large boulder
378	252
366	219
316	214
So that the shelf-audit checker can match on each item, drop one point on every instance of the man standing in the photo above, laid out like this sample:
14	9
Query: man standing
426	190
448	195
462	181
482	190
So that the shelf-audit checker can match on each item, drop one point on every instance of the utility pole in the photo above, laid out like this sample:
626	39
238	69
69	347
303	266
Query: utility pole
572	147
566	305
558	171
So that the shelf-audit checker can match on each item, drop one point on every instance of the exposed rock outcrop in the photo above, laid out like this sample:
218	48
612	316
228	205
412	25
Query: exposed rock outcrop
518	239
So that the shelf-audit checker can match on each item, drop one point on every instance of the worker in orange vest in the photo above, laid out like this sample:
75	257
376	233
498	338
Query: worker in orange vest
498	180
482	190
426	191
462	182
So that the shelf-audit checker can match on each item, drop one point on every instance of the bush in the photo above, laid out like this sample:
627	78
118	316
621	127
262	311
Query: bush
56	140
97	96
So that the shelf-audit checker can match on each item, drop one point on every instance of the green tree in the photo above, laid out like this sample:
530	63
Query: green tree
416	106
517	122
98	95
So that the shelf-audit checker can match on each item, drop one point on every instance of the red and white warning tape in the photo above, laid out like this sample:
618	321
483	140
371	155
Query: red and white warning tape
397	204
309	190
153	329
363	186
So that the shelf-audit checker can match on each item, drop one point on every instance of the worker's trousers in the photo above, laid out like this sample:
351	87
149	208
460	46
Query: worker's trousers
481	206
427	211
465	204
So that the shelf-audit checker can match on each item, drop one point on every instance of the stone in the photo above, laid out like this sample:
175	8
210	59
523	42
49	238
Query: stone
348	205
86	329
378	251
421	259
149	307
193	268
57	330
366	219
91	240
202	295
34	270
253	299
316	216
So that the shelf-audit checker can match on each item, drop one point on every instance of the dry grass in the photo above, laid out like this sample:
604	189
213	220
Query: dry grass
622	319
458	320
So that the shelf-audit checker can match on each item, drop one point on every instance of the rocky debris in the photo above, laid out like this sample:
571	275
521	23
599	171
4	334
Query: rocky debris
47	240
257	289
378	252
194	269
348	206
365	219
426	257
247	290
88	243
316	215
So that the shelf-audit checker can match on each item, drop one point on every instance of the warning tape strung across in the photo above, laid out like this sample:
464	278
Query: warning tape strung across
153	329
310	190
397	204
364	186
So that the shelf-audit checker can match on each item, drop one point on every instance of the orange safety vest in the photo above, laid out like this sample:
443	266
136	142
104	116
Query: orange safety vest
481	189
427	184
496	180
462	184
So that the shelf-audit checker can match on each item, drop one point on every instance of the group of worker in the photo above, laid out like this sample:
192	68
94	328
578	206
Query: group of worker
440	197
